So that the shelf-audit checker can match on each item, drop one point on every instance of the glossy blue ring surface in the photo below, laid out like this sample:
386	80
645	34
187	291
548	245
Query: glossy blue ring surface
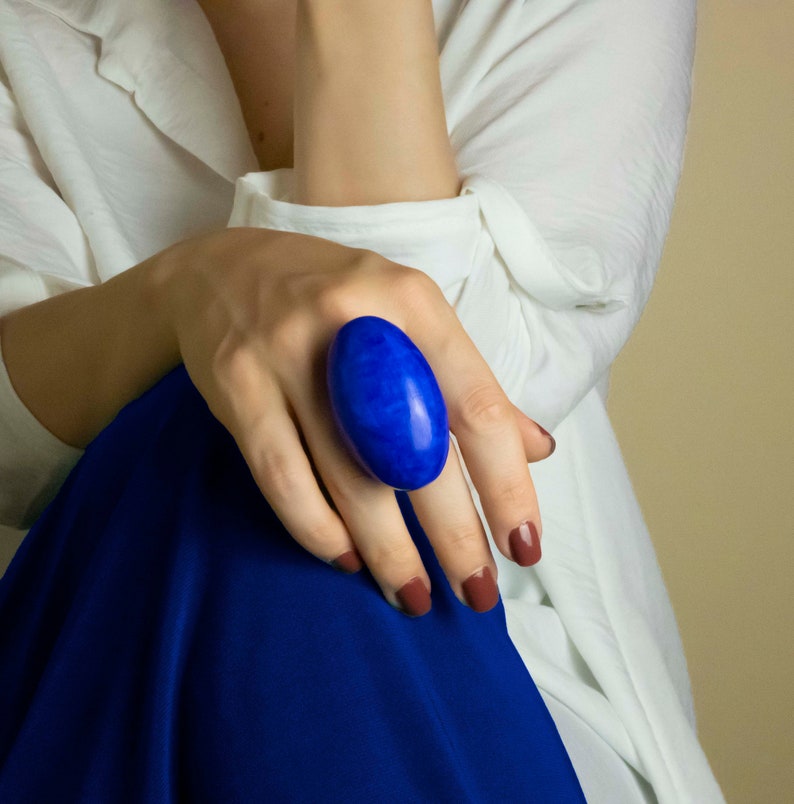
387	403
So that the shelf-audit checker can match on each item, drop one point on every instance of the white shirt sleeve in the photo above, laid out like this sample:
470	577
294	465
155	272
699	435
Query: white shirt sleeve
38	229
569	144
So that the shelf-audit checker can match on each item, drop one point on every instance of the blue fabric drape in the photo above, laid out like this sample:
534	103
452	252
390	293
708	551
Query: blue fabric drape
164	639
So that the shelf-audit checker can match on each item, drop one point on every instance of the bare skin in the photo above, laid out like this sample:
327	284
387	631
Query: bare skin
251	339
257	40
355	85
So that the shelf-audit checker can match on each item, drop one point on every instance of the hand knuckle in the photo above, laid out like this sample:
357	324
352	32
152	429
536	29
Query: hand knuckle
394	554
484	408
513	492
337	302
414	292
233	362
280	475
320	532
464	536
367	260
350	488
288	338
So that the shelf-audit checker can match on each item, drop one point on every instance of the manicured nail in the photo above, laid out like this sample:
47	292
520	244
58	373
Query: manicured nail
348	562
549	436
525	544
481	591
414	598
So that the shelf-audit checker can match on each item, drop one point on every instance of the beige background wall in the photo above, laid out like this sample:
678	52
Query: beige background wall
702	398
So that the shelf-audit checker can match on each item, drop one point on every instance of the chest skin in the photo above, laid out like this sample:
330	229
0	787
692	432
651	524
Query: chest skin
258	44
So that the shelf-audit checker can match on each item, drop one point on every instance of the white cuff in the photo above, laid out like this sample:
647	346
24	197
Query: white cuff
438	237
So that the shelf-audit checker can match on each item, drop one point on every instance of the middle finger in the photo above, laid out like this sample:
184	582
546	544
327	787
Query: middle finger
447	513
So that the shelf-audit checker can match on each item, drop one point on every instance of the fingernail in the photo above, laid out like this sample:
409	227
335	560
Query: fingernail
414	598
480	590
348	562
525	544
549	436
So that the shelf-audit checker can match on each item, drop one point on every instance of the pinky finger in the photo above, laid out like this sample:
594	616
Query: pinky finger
538	443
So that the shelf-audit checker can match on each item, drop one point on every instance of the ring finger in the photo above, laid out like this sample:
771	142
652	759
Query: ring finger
368	507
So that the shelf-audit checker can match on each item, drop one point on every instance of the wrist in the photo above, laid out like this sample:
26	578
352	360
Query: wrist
354	32
152	284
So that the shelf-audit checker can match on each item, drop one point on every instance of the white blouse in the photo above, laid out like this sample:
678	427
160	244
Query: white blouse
121	133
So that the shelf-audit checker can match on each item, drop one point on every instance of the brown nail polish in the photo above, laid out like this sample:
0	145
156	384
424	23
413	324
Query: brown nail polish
414	598
481	591
348	562
525	544
549	436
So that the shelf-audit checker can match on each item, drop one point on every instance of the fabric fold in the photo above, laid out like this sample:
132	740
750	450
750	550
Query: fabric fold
531	262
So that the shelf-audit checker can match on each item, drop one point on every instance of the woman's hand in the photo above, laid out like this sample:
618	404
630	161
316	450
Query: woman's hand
253	312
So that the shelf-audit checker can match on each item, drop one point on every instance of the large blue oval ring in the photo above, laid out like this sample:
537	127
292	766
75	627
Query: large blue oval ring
387	403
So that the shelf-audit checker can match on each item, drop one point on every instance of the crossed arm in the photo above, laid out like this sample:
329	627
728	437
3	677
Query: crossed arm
368	111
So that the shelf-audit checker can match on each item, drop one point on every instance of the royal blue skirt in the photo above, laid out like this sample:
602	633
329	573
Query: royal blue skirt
164	639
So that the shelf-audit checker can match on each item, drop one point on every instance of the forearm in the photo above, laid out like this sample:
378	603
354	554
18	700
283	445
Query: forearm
76	359
370	125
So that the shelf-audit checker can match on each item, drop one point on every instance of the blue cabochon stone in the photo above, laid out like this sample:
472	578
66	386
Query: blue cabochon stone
387	403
